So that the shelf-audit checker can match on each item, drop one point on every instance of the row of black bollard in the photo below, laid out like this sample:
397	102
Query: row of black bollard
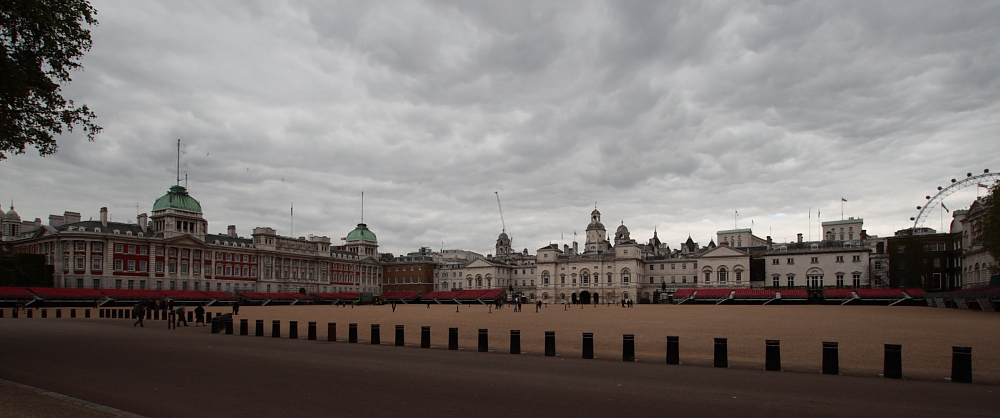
892	368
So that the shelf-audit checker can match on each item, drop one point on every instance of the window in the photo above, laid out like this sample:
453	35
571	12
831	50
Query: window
775	261
840	280
131	284
196	268
776	280
814	260
218	269
184	268
118	283
739	275
197	254
143	250
172	268
185	253
159	251
815	281
856	279
856	258
173	253
723	275
545	277
97	247
791	280
131	265
143	266
840	259
119	248
96	263
708	277
626	276
131	249
118	264
159	285
97	283
81	246
159	267
790	261
142	285
562	279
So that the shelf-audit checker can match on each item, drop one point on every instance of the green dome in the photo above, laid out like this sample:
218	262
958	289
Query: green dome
361	233
177	198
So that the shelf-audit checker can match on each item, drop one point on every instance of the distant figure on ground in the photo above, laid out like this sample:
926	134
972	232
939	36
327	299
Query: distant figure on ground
393	304
538	305
139	313
236	308
199	315
180	315
519	304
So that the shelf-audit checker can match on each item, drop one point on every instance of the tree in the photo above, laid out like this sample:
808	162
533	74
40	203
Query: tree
41	41
989	227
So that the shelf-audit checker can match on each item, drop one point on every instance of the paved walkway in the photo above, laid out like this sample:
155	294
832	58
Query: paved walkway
188	372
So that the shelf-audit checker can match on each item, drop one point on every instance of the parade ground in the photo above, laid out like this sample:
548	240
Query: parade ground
153	371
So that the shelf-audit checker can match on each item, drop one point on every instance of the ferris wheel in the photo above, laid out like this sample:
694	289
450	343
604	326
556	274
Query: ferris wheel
985	180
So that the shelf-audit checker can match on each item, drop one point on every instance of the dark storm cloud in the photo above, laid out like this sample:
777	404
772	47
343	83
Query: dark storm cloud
668	114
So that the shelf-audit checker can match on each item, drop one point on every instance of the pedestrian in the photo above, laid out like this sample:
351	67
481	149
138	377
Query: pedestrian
139	313
519	304
538	305
393	304
180	316
199	315
236	308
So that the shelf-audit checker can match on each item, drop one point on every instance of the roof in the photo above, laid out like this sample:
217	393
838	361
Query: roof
734	231
361	232
221	239
110	228
177	198
844	222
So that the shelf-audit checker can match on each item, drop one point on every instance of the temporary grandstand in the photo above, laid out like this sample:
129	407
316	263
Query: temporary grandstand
335	298
741	295
264	299
464	296
985	298
400	297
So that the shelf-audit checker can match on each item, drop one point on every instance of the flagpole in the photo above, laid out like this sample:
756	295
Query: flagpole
810	228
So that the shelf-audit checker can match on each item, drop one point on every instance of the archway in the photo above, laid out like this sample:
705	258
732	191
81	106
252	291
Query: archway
597	298
585	297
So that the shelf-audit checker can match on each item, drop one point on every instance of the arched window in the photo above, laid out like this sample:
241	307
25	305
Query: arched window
545	277
723	274
479	281
545	296
610	277
585	278
626	276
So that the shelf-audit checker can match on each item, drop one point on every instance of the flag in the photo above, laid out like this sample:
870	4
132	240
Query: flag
737	213
817	213
843	200
291	212
945	207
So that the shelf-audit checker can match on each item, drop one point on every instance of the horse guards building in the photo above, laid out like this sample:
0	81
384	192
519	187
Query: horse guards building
172	249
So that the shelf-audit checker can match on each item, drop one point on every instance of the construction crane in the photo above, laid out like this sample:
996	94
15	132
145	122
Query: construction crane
502	222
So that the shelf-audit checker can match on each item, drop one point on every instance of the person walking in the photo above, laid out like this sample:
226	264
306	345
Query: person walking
236	308
199	315
180	316
139	313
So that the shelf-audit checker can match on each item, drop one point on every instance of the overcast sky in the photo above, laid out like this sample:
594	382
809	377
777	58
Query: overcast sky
669	115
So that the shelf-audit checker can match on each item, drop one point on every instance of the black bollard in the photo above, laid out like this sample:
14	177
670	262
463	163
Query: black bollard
550	343
588	345
275	329
156	315
376	335
86	313
13	314
58	313
125	314
425	337
293	330
673	349
331	331
831	360
400	336
893	361
484	340
628	347
352	332
515	341
190	317
100	313
244	326
721	353
311	331
772	355
229	325
453	338
961	364
259	328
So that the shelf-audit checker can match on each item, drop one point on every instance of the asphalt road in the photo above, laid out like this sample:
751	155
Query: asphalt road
188	372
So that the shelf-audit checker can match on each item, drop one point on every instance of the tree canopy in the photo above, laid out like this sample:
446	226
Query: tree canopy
989	233
41	41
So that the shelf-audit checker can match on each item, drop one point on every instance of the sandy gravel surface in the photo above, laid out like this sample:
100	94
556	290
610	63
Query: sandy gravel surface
927	334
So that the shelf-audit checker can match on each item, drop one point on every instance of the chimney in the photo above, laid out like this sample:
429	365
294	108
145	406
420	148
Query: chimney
141	220
864	236
56	220
232	231
38	222
566	249
576	247
800	237
71	217
104	216
769	243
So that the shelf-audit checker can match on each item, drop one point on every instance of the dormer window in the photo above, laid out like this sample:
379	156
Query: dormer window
97	229
128	232
117	232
